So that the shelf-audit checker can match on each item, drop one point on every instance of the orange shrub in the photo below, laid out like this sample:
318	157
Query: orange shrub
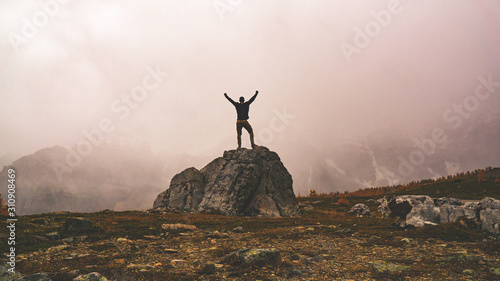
343	202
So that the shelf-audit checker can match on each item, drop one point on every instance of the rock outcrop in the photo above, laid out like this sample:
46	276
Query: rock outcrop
360	210
249	182
419	210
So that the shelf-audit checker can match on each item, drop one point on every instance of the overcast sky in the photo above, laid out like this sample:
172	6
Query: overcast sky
68	66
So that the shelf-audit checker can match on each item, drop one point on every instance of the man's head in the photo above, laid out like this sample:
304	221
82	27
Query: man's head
242	99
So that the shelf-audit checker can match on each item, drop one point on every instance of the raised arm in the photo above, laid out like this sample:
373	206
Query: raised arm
229	99
254	96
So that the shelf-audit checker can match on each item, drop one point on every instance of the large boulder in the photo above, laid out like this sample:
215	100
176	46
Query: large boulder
249	182
490	220
401	206
419	210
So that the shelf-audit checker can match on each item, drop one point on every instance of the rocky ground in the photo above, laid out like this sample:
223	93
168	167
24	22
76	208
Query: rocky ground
324	243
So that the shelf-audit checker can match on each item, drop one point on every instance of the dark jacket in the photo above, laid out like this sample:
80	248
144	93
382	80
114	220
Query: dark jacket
242	108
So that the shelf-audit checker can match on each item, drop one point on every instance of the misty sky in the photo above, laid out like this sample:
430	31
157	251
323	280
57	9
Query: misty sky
77	68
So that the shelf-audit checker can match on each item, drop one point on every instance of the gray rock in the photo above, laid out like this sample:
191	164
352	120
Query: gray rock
93	276
418	210
77	225
42	276
250	182
451	213
360	209
385	267
53	236
185	192
490	220
254	256
447	201
421	215
468	272
495	271
239	229
400	206
471	210
490	203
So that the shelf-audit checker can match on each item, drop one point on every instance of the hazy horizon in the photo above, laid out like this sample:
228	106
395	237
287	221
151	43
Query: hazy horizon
79	64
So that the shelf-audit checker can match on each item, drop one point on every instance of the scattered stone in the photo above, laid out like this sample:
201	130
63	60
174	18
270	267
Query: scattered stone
170	251
239	229
139	266
249	182
306	207
495	271
254	256
42	276
77	225
360	209
295	257
39	221
385	267
93	276
40	238
53	236
68	240
208	268
179	226
123	240
344	230
468	272
406	240
217	235
57	248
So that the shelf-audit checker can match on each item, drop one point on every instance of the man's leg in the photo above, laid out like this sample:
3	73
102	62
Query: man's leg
249	129
238	132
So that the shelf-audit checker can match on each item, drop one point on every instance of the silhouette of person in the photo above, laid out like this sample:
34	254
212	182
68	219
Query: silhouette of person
242	122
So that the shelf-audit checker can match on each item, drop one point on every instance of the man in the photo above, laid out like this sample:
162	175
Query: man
242	122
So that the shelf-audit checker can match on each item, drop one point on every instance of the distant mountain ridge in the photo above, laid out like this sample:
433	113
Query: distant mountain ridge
108	178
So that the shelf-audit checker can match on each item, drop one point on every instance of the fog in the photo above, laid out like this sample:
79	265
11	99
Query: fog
67	72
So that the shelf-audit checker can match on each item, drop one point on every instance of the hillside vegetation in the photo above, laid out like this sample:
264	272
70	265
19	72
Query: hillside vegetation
471	185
